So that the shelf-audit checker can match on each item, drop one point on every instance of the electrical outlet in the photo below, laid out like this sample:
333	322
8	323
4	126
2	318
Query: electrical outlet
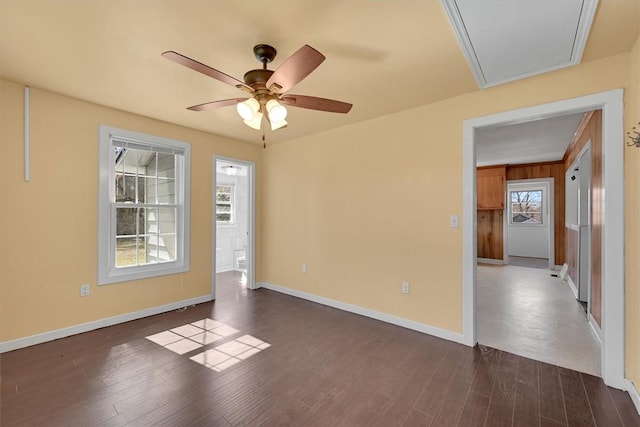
453	221
304	268
405	287
85	290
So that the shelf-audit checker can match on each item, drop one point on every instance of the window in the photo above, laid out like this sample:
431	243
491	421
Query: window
143	206
526	207
224	204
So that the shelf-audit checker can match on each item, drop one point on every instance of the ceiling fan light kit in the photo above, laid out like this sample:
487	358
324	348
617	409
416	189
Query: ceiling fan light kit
276	111
248	109
267	87
255	122
278	125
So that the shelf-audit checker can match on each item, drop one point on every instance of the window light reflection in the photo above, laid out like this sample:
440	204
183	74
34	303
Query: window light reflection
187	338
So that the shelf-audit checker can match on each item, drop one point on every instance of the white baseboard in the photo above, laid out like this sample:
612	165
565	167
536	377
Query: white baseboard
388	318
491	261
97	324
596	329
564	271
558	267
633	392
573	286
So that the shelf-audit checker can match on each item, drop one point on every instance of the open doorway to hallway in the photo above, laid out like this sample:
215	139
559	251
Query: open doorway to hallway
233	216
528	311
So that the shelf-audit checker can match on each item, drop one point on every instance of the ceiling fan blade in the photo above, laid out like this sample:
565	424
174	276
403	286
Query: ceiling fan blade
206	70
295	68
216	104
313	103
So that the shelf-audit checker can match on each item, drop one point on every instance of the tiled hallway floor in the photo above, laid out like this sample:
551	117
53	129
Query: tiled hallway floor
527	312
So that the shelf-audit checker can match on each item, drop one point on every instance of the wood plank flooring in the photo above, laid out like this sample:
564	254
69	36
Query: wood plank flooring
304	364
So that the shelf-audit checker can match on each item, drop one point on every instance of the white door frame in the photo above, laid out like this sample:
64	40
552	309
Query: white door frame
551	215
251	241
613	317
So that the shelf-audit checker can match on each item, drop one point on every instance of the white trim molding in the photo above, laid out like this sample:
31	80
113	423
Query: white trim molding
367	312
27	134
573	286
595	328
491	261
585	21
613	326
97	324
633	393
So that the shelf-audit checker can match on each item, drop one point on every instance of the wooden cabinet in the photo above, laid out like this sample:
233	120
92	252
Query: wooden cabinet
491	187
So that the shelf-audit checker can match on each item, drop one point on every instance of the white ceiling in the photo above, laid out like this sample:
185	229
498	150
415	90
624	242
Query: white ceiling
510	40
531	142
382	56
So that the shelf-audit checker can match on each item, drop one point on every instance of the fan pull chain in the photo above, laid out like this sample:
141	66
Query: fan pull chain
264	142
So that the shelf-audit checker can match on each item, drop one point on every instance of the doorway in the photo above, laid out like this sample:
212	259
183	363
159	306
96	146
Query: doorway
234	225
529	223
612	245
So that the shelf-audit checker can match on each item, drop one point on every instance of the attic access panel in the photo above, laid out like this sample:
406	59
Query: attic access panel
510	40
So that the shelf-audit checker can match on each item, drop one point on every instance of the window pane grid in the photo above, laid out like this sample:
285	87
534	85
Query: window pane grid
145	220
526	207
224	204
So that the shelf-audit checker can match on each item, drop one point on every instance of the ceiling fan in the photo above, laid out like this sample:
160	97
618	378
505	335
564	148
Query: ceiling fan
267	88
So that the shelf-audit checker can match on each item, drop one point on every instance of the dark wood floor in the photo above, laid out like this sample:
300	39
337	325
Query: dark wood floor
324	367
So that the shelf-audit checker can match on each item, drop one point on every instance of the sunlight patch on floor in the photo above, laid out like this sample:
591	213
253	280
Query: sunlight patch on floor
230	353
192	336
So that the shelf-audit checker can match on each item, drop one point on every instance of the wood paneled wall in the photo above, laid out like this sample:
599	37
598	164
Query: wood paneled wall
590	128
490	239
490	223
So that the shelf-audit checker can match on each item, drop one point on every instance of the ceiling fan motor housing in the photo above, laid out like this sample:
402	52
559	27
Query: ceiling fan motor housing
264	53
257	79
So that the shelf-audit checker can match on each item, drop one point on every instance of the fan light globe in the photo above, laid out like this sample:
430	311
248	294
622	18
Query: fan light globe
256	122
248	109
277	112
278	125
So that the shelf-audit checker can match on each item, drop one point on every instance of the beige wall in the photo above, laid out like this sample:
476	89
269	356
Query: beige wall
48	244
367	206
632	232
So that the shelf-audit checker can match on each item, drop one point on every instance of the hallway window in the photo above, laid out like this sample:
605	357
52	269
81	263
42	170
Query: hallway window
143	209
526	207
224	204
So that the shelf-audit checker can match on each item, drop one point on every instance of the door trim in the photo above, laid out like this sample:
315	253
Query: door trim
551	216
613	324
251	241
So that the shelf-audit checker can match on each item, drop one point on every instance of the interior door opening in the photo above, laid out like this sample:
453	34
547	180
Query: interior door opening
528	311
233	217
609	239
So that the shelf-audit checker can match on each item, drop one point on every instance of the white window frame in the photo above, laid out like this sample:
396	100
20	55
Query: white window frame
232	204
107	271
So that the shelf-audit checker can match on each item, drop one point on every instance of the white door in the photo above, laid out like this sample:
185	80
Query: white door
583	174
528	219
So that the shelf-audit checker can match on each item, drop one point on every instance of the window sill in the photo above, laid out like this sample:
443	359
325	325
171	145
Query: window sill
125	275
